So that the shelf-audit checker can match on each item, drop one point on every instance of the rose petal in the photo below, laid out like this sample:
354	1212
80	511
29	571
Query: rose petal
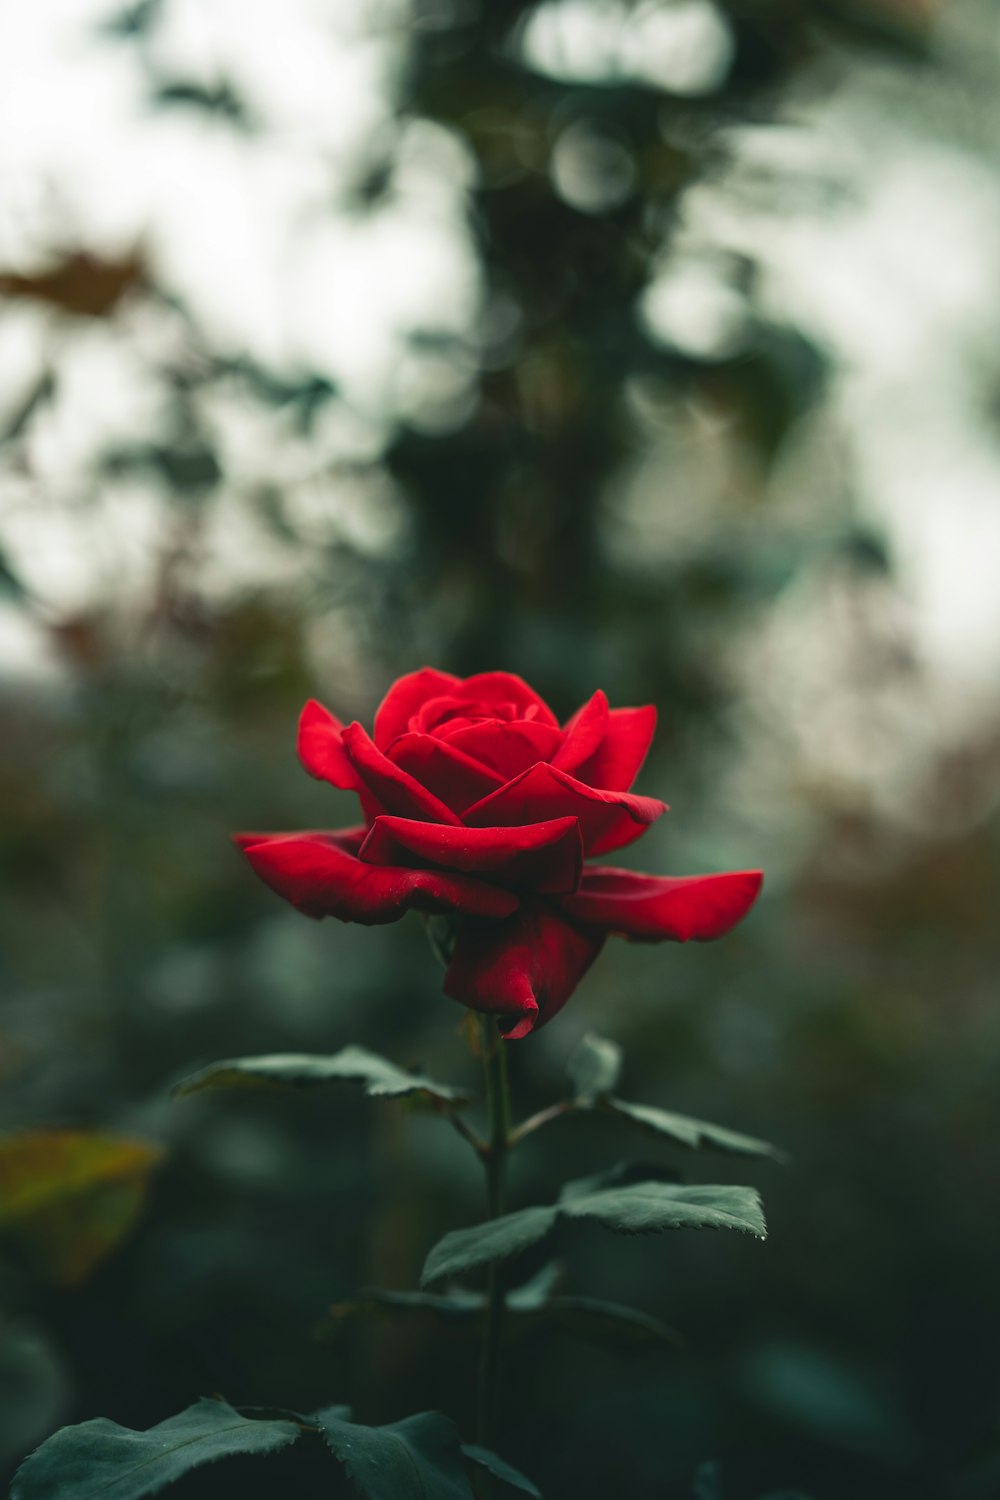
321	875
583	733
616	762
507	748
649	908
320	749
395	789
444	771
403	700
541	856
608	820
523	969
505	687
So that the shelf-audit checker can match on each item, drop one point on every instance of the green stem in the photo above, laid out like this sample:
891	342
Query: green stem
495	1160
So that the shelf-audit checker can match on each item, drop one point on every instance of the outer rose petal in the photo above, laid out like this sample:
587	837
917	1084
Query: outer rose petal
320	749
394	788
540	857
649	908
617	760
456	779
507	748
404	698
583	733
505	687
522	970
319	874
608	820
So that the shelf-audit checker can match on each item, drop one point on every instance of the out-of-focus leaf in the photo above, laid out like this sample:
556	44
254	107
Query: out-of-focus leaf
708	1481
419	1458
34	1389
187	465
622	1174
693	1133
500	1470
594	1067
134	20
221	100
100	1458
453	1307
71	1195
641	1208
528	1307
11	586
381	1078
17	423
602	1322
82	284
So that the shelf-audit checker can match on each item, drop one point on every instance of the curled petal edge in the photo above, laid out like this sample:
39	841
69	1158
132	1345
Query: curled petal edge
320	874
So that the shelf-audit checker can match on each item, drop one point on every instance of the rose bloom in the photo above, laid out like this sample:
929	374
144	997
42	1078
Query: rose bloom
479	804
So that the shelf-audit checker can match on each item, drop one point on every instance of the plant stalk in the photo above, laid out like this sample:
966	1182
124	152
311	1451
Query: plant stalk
495	1160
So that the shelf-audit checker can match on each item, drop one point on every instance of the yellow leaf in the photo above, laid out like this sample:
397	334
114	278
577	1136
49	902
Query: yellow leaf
70	1196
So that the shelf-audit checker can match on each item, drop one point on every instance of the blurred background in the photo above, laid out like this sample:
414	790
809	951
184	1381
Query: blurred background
651	346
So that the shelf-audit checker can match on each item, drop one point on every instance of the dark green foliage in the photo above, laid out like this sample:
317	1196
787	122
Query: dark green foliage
100	1458
594	1068
693	1133
536	1306
381	1078
496	1466
418	1458
641	1208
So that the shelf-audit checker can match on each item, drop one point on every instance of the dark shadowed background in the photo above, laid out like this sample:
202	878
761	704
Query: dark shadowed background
651	347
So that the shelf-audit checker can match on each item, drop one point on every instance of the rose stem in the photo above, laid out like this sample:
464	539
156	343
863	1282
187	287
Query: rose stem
495	1158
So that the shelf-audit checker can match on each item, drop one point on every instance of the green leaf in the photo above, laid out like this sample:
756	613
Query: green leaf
708	1481
418	1458
381	1078
500	1470
622	1174
647	1207
692	1133
99	1458
528	1307
594	1068
608	1323
453	1307
497	1239
70	1196
640	1208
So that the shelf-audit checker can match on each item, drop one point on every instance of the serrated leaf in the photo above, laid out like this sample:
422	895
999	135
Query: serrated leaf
647	1207
640	1208
72	1195
594	1068
483	1244
418	1458
693	1133
500	1470
99	1458
381	1078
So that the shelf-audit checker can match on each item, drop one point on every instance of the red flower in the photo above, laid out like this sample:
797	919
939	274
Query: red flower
477	803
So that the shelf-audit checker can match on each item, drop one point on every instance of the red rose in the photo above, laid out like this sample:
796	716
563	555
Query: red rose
477	803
